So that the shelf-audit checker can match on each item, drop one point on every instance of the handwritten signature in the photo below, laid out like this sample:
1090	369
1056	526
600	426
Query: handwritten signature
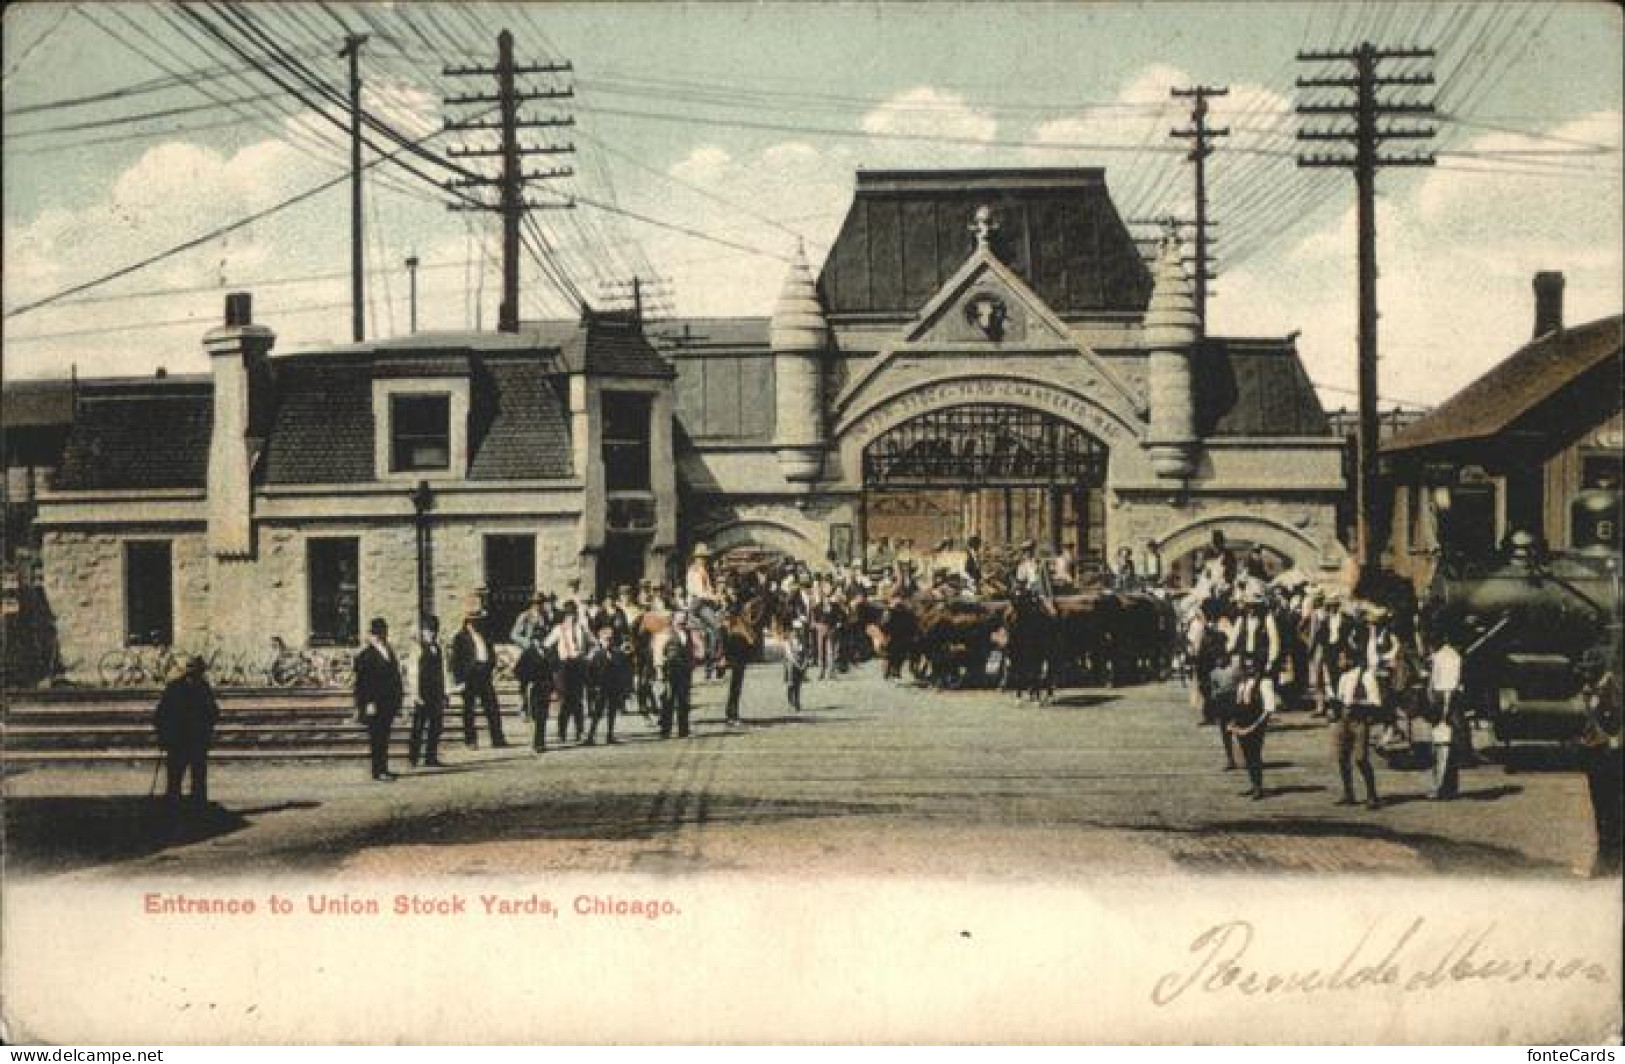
1219	965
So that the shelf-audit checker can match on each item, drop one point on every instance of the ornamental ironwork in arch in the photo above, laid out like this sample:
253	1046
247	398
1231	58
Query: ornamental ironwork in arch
984	443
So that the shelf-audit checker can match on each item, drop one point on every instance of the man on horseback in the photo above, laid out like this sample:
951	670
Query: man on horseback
1033	577
703	601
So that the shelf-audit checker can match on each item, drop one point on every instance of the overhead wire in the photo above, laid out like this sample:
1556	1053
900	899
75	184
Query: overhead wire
205	238
66	11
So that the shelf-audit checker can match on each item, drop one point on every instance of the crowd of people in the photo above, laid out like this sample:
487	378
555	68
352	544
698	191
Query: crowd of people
1257	646
1384	684
1251	645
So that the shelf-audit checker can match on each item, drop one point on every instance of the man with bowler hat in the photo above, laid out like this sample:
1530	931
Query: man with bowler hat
378	695
429	715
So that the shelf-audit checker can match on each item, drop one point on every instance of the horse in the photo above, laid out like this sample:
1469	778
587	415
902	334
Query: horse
741	642
649	637
896	637
1034	646
956	637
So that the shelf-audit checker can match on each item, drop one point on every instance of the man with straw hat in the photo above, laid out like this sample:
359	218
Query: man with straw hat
702	601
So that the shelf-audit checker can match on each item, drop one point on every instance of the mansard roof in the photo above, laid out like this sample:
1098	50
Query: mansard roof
906	233
149	433
323	429
153	433
1254	387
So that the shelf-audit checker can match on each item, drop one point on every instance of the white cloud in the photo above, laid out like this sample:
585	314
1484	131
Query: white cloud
929	112
172	193
703	165
1457	247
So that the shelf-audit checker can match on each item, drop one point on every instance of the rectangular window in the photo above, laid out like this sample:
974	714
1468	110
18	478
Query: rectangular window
510	581
149	605
334	571
419	433
626	441
1600	470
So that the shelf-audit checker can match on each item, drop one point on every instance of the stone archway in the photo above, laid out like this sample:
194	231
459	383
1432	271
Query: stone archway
856	429
999	472
779	537
1292	547
1071	407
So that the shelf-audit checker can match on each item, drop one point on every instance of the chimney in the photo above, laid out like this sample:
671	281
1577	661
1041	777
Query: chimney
238	362
1548	302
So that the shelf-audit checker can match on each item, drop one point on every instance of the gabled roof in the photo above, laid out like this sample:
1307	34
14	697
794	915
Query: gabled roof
1527	378
906	234
130	437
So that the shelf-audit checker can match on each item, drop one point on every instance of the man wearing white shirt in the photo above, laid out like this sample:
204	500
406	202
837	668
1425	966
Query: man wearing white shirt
1353	712
1257	639
571	642
702	601
1444	693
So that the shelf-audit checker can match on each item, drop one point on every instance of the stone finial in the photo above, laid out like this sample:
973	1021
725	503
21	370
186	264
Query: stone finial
983	226
1170	320
798	318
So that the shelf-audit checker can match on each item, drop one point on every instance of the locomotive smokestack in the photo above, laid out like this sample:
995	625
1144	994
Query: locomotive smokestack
1548	302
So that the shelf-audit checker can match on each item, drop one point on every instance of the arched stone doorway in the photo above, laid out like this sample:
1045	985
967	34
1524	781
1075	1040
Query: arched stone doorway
1001	471
1283	547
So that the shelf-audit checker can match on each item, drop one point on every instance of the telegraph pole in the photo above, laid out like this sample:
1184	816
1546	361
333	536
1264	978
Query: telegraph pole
649	296
358	319
510	182
1201	136
1367	111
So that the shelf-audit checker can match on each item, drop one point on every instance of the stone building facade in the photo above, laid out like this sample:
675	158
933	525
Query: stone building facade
982	352
988	353
298	496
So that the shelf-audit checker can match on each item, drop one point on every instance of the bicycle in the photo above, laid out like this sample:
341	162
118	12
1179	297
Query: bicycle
291	668
121	668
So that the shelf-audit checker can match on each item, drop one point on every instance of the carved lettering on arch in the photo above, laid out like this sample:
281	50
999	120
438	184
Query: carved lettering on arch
947	393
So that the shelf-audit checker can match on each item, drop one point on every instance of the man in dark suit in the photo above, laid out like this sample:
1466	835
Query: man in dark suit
473	670
378	695
429	715
185	721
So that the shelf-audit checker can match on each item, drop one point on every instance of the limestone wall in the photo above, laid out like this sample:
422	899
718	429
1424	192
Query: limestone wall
232	607
83	575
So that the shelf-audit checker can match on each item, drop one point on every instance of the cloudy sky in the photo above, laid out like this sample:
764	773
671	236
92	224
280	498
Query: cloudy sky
709	138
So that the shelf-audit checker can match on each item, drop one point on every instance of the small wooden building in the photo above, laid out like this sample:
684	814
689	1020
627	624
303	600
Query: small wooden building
1513	451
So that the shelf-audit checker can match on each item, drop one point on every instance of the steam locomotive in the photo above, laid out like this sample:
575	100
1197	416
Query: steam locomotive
1532	625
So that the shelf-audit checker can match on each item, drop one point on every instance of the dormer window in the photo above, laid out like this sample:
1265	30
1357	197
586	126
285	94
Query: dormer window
420	413
419	433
